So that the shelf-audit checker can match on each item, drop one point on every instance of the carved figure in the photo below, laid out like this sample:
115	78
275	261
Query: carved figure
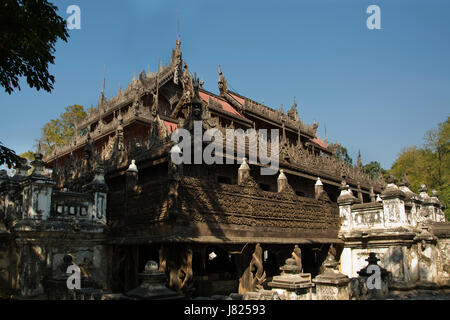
297	255
254	276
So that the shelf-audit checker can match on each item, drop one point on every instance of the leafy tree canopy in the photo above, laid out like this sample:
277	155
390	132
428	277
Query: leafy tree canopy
29	30
9	157
373	169
428	165
341	153
59	132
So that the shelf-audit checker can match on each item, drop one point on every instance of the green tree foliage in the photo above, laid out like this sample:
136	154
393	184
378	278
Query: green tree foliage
59	132
341	153
9	157
373	169
430	164
29	156
29	30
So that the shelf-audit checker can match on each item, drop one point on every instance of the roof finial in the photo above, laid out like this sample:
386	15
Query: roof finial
222	83
178	27
104	80
39	150
359	162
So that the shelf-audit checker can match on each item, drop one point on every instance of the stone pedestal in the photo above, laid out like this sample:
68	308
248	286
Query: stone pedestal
153	285
332	285
292	284
261	295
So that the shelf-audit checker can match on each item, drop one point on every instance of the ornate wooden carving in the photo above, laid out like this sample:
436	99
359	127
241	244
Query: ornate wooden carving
254	276
297	255
176	260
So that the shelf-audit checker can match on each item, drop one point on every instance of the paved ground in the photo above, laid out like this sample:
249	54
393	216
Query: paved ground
420	295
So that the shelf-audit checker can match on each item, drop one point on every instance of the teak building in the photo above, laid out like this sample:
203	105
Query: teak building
116	200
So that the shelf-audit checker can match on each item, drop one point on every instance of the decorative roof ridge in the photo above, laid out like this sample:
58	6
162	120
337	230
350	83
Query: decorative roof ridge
125	97
305	128
212	94
251	100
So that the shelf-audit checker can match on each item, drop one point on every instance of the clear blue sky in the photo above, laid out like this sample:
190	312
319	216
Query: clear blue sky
374	90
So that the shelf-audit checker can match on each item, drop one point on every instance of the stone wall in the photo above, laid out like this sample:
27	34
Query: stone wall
405	230
40	226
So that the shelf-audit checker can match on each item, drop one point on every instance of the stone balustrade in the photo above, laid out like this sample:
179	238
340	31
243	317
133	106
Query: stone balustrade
396	207
32	199
400	227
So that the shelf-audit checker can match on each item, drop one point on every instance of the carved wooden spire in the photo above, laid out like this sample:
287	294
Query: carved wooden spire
359	162
178	29
222	83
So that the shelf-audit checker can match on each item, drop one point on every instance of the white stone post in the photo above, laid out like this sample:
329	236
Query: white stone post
282	182
98	189
318	188
345	201
243	172
393	206
37	192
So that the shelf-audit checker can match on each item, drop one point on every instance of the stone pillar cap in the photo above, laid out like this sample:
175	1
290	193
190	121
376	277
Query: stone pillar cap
319	182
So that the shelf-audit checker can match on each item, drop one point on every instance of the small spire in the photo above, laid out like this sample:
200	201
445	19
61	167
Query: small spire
282	176
157	85
222	83
178	28
134	76
132	167
359	163
319	182
104	81
39	150
244	165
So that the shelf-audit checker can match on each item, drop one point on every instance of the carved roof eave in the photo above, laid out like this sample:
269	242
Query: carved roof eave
85	124
104	134
167	75
279	124
317	146
229	115
263	116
